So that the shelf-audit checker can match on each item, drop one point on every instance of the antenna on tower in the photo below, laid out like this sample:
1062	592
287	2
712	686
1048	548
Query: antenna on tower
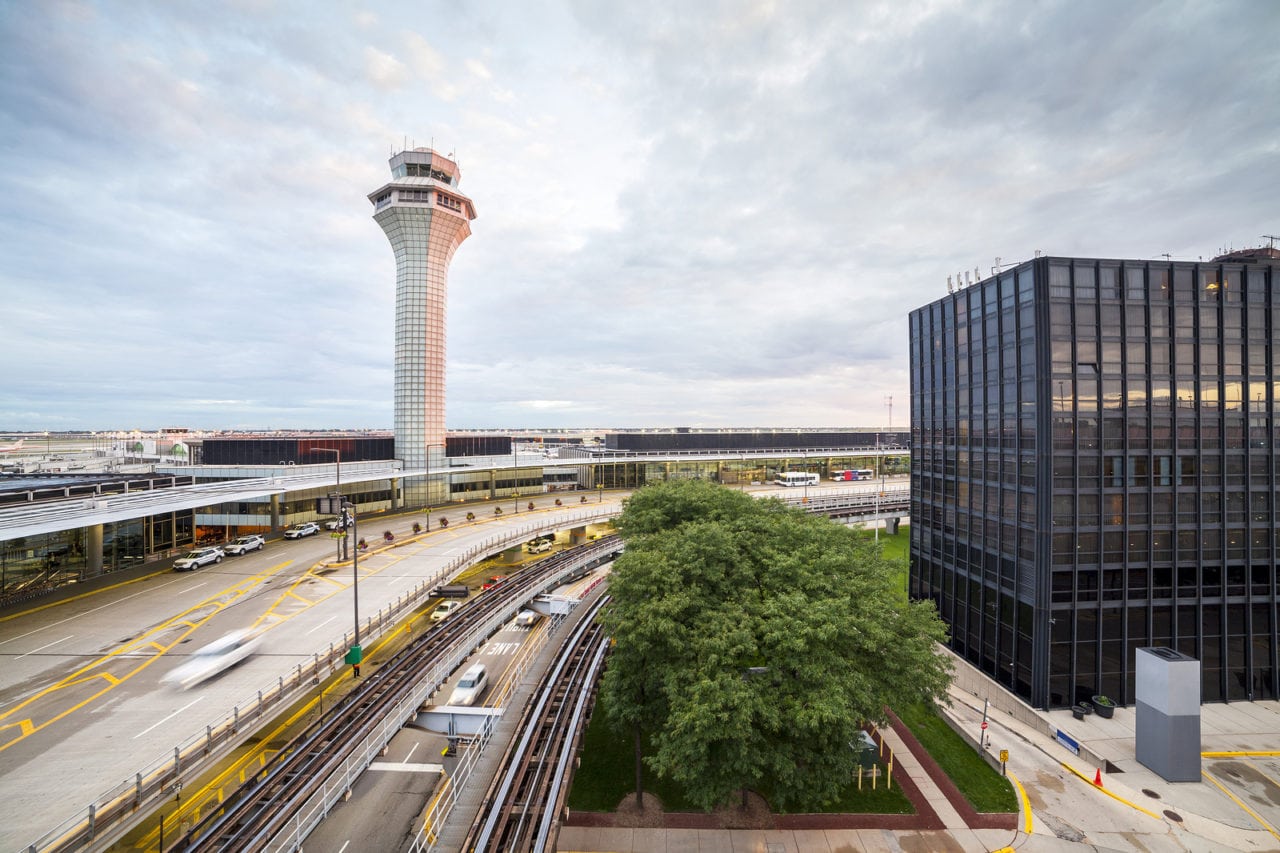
888	401
1273	238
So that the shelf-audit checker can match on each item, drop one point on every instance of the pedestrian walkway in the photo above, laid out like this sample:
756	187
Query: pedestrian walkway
1062	810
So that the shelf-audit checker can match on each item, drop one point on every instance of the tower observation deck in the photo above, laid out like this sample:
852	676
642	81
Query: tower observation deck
425	218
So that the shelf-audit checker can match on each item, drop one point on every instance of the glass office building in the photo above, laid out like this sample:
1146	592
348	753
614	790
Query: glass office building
1094	471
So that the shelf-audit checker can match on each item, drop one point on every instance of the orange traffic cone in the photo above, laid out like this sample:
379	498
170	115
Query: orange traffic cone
1097	778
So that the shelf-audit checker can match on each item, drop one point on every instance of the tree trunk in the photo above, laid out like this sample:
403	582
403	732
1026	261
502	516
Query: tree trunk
639	779
744	798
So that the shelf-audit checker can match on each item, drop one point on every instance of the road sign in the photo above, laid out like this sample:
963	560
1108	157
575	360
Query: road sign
984	725
1004	756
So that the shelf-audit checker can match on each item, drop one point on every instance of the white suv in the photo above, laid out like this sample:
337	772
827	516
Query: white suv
444	609
471	686
307	528
245	544
197	558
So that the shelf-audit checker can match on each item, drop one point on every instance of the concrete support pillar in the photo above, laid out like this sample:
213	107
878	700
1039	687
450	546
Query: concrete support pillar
93	551
395	493
891	526
578	535
275	512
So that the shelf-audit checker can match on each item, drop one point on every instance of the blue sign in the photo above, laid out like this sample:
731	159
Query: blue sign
1067	741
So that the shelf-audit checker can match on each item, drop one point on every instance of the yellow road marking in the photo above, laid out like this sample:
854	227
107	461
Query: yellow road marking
1239	753
242	768
213	604
63	601
1240	803
1026	803
1118	799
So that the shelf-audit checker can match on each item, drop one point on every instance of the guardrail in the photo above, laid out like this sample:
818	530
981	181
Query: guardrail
113	811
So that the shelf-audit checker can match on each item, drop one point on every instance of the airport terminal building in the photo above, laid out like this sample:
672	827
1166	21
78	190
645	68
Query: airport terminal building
1094	470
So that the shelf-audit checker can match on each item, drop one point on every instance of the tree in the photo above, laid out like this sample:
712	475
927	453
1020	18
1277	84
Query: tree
751	641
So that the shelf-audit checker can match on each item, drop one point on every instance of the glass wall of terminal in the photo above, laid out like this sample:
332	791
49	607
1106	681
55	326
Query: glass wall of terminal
1150	518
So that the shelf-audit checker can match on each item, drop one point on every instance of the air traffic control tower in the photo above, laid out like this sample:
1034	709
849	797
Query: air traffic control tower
426	219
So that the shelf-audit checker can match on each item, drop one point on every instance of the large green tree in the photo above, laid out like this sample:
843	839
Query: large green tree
752	640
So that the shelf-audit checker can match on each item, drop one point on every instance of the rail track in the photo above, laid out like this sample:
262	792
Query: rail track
321	764
520	808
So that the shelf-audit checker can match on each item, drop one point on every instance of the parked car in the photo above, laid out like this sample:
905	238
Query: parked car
197	558
213	659
526	618
336	523
444	610
492	582
307	528
537	546
471	687
245	544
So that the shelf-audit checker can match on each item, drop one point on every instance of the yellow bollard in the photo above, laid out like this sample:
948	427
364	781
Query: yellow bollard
888	782
859	777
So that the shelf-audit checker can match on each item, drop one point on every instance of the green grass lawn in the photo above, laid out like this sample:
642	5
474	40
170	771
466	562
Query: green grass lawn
607	774
981	785
896	550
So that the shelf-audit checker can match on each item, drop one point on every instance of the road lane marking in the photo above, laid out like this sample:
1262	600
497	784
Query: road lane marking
1118	799
170	717
47	645
80	596
1240	803
1026	802
321	625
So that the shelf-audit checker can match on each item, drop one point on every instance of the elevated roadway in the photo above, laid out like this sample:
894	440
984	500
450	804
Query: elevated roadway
85	720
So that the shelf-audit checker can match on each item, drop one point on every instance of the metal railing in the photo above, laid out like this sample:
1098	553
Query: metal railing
112	813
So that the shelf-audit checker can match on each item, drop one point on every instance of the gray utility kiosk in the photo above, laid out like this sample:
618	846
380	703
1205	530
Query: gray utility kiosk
1168	713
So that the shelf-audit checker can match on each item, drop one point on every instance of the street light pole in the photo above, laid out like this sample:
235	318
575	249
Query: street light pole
342	540
355	654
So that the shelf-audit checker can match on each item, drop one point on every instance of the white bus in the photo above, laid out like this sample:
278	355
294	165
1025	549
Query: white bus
796	478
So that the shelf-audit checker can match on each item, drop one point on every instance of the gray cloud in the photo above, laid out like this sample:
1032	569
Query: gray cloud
710	215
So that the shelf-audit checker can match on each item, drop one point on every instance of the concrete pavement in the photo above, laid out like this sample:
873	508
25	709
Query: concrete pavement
1236	805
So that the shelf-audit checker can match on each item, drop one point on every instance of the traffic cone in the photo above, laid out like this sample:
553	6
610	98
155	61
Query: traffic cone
1097	777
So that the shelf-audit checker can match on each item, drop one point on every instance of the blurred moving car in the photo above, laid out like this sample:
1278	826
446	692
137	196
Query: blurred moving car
307	528
214	658
444	610
526	618
492	582
471	687
197	558
245	544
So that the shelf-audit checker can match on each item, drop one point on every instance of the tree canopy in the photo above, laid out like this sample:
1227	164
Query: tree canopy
751	641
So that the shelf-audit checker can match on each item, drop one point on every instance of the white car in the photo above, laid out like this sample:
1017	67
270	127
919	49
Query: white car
336	523
214	658
444	610
526	618
245	544
471	686
197	558
307	528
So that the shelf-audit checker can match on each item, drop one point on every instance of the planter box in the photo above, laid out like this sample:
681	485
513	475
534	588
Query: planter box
1104	707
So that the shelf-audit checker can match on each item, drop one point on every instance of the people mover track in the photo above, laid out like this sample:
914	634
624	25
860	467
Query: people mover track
521	805
316	768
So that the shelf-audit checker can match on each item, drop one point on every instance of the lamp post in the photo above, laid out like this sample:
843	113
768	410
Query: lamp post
355	653
342	540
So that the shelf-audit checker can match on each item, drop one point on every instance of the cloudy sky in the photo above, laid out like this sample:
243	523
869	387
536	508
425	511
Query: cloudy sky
690	214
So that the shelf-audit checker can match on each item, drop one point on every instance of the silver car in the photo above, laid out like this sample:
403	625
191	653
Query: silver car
197	558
